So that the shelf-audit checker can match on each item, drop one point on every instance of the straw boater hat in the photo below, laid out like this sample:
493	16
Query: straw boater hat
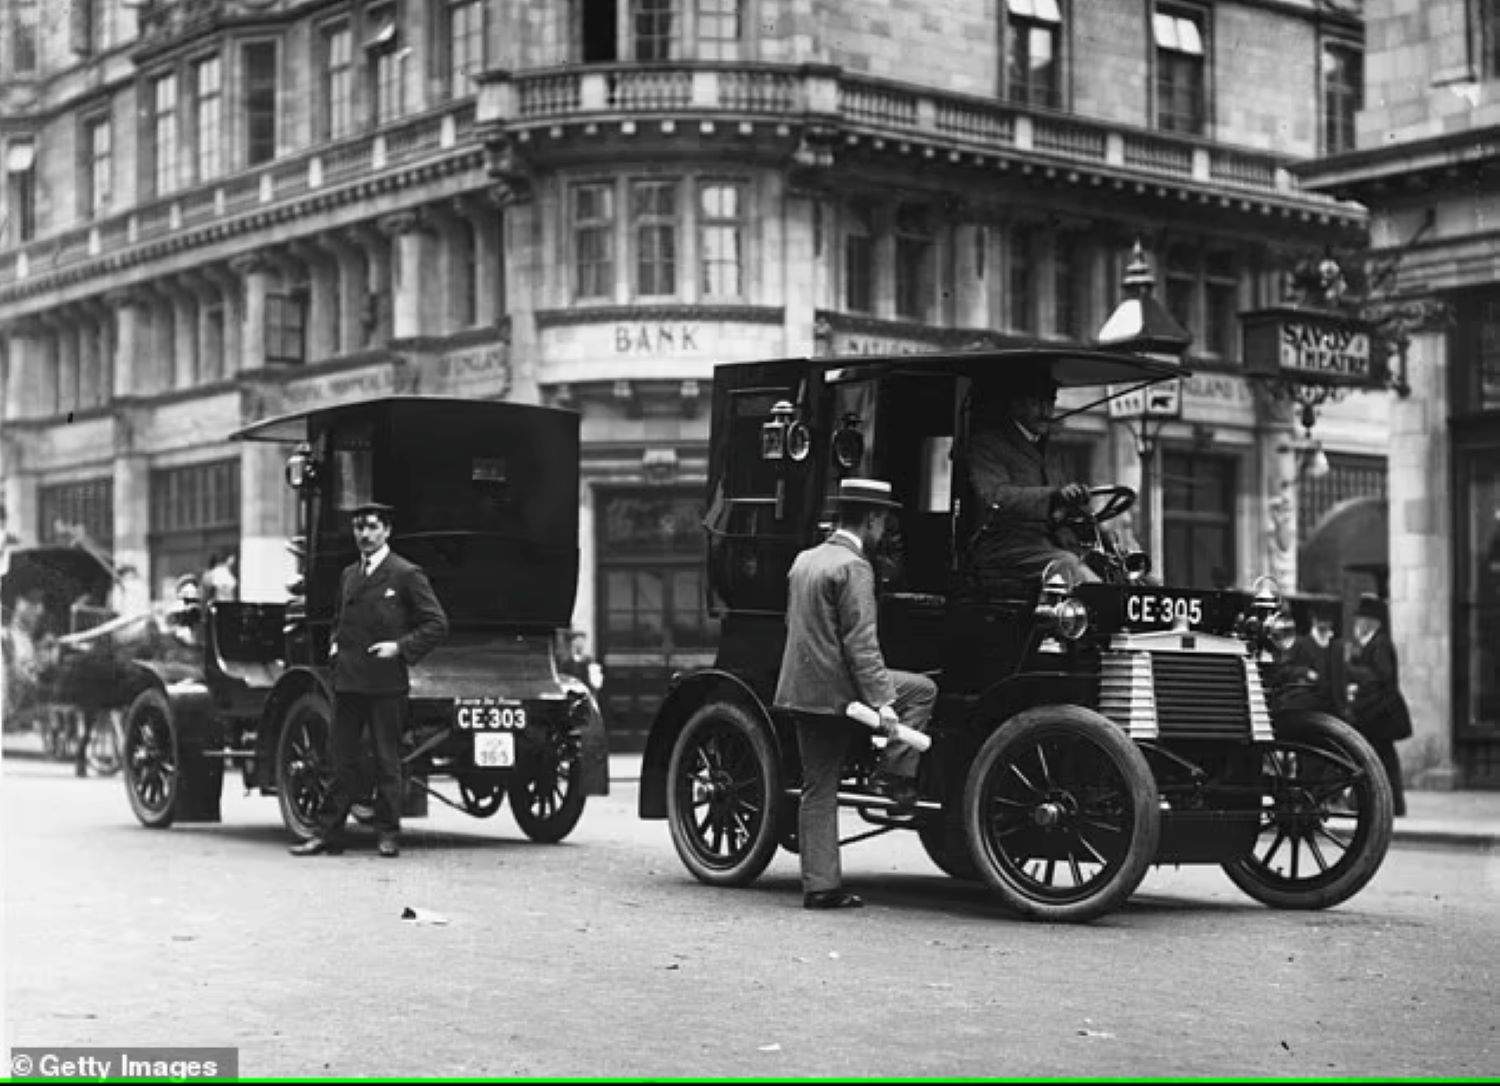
871	492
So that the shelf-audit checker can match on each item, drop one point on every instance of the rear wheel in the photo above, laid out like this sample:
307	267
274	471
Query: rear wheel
1325	816
724	795
1062	814
152	759
549	803
304	766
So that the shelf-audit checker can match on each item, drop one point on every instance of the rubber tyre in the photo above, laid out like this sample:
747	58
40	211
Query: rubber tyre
548	804
304	764
944	841
1054	772
1302	806
152	759
724	762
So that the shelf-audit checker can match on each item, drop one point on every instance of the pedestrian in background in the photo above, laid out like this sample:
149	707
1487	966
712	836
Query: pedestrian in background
1376	707
579	664
1313	669
220	582
387	618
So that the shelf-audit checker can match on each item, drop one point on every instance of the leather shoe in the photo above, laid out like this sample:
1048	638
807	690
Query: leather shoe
315	846
362	813
832	899
387	845
901	791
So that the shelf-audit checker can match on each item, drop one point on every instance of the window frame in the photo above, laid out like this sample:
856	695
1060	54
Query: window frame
739	222
286	326
1020	89
459	80
249	115
859	231
20	194
1022	299
96	195
913	224
661	46
1340	104
668	224
336	81
1198	123
27	29
714	13
606	226
166	131
208	138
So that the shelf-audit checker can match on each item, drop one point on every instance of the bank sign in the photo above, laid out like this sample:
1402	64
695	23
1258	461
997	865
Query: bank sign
1312	347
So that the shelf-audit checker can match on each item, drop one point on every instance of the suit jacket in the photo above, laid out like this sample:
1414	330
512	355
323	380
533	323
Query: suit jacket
394	603
1378	709
1314	676
1009	475
832	654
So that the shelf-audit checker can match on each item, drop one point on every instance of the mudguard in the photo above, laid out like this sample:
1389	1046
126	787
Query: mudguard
201	776
685	694
593	747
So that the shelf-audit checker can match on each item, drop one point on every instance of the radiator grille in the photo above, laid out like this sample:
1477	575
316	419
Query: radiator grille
1201	696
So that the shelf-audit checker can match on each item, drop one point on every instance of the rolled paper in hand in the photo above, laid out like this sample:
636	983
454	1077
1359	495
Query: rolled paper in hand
858	710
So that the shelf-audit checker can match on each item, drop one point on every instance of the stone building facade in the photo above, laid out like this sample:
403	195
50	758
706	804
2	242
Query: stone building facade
1424	164
219	211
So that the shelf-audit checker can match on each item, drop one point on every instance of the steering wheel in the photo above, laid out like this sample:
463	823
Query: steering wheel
1117	500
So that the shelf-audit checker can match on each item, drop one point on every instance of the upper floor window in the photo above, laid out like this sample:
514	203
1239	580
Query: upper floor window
653	28
465	45
597	31
1070	274
98	172
208	116
653	213
164	131
593	240
20	192
1033	29
387	72
465	300
1181	69
24	31
914	259
1202	291
89	26
260	102
720	27
859	260
721	239
1180	283
1343	94
286	326
338	81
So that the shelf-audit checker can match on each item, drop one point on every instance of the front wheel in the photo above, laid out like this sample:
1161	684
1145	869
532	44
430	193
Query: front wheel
724	795
152	759
1326	813
1062	814
304	767
548	803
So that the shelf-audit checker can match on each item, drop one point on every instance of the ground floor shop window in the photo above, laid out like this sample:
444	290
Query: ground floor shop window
652	611
195	514
1198	500
88	505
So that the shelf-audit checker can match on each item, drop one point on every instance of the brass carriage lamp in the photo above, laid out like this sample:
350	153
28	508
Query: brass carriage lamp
301	468
773	432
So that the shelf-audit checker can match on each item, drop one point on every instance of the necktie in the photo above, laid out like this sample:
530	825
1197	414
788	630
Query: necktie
364	567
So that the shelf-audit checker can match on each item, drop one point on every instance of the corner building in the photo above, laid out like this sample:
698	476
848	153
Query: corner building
220	211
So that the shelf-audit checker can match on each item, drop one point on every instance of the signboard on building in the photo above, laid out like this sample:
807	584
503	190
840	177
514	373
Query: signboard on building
1159	401
1311	347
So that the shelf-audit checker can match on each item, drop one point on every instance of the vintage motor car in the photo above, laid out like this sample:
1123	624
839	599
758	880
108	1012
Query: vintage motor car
1083	731
487	503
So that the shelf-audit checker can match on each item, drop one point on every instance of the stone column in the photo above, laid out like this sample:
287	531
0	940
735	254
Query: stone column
208	346
184	310
19	492
132	512
797	245
1421	550
323	308
416	287
22	377
524	268
971	271
94	378
883	272
255	273
130	341
353	277
376	322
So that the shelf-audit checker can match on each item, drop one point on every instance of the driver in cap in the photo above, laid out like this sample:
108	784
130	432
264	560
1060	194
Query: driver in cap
1024	505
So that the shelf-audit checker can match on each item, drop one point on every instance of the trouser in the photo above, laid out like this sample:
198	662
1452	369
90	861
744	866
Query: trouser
824	741
1385	750
383	715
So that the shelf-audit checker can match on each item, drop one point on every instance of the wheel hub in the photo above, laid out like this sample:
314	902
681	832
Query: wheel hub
1053	812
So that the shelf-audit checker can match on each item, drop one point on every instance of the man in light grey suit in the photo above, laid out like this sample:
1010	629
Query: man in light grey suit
832	657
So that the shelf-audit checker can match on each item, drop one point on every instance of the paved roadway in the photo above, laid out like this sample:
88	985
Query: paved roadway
601	956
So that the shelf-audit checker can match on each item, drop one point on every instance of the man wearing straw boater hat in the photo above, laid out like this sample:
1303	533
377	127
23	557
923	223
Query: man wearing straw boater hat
832	658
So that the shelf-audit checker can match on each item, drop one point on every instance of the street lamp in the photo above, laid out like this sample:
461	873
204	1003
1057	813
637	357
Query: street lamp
1141	324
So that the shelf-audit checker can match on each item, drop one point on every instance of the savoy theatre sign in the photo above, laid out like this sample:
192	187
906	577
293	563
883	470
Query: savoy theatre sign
1311	347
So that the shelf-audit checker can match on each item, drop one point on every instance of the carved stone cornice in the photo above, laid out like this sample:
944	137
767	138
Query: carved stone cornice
637	314
123	297
410	221
246	264
507	168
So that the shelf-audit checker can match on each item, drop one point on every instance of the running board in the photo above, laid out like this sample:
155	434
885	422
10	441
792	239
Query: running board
868	799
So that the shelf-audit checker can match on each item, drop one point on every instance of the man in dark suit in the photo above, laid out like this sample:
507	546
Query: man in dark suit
387	619
832	657
1022	510
1376	707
